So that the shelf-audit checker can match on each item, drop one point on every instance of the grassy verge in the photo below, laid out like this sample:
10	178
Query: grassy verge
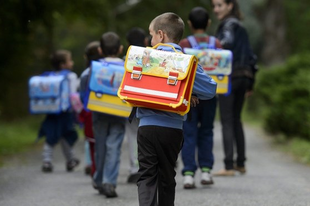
296	147
18	136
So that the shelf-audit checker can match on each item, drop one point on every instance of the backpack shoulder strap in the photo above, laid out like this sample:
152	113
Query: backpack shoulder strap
191	39
212	42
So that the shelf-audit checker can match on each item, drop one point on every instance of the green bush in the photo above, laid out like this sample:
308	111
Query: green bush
285	92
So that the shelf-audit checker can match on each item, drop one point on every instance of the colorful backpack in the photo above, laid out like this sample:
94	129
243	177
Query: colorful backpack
105	79
158	79
217	63
49	93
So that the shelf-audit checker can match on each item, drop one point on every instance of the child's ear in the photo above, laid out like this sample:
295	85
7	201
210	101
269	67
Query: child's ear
100	51
146	42
120	50
161	36
209	23
189	23
62	65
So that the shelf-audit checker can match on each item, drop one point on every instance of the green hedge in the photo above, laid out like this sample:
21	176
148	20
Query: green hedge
285	93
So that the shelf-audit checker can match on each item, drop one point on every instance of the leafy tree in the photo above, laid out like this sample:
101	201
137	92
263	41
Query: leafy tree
27	37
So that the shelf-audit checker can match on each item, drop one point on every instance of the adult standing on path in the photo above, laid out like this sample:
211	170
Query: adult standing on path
234	37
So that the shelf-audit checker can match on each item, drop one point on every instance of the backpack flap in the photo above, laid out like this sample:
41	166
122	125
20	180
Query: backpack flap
216	62
106	77
49	94
213	61
156	77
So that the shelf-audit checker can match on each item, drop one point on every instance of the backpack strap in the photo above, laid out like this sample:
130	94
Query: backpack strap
212	42
191	39
132	114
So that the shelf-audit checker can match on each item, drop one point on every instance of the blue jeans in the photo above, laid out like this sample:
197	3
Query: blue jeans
109	135
198	134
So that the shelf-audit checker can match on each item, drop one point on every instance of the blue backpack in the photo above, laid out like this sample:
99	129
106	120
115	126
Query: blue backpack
49	93
104	82
216	62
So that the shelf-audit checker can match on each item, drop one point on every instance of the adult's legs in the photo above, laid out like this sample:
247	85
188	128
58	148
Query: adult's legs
239	134
226	104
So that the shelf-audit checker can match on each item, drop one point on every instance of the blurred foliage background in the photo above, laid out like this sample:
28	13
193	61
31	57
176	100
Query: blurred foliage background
32	29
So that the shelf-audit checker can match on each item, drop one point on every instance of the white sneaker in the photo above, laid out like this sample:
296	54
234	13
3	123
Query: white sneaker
206	178
188	182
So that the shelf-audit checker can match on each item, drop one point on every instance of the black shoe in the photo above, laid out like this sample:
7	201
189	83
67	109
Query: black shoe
108	190
87	170
47	167
133	178
95	185
72	164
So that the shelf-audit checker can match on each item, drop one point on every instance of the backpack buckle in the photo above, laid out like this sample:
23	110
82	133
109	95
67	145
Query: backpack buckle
136	73
173	78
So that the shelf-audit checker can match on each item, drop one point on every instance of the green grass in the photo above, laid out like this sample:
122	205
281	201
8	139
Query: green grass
296	147
18	136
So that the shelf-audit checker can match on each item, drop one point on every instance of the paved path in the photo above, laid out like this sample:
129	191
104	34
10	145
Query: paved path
273	179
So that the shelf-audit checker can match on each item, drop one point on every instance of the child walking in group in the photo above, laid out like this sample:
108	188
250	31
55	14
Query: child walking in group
91	53
108	129
198	130
60	127
160	134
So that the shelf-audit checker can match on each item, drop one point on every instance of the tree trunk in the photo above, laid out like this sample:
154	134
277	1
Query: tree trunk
275	47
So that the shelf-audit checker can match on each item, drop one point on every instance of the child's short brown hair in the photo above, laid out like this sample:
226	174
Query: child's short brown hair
59	57
110	44
171	24
91	52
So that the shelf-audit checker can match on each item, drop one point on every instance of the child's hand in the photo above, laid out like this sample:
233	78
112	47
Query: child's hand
194	101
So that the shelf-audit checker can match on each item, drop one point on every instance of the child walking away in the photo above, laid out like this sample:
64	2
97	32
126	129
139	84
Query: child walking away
60	127
91	54
198	130
160	134
108	129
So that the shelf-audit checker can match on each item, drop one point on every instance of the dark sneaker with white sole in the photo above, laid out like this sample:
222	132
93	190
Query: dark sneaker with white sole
47	167
72	164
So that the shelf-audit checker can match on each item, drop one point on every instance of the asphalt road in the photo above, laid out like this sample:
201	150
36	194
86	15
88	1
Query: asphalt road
273	179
